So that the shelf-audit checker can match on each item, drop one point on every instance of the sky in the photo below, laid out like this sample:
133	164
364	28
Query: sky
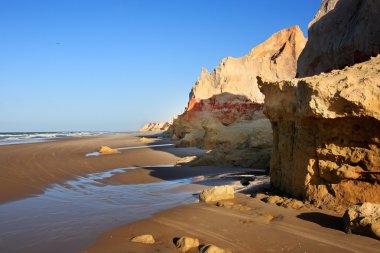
114	65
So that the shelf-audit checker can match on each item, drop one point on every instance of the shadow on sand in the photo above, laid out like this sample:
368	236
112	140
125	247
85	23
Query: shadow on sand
322	219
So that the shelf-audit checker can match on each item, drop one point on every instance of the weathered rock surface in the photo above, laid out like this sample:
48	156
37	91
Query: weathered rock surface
156	126
217	193
363	219
327	135
105	150
283	201
145	239
225	107
343	32
184	244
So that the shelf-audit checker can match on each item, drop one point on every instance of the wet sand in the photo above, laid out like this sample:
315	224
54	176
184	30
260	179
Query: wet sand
27	169
263	228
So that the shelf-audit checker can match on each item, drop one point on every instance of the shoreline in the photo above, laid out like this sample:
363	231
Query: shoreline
27	168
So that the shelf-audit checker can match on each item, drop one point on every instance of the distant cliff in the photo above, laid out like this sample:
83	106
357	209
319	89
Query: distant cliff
224	112
156	126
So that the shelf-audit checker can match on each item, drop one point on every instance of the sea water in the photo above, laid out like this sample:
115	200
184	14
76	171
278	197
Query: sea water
7	138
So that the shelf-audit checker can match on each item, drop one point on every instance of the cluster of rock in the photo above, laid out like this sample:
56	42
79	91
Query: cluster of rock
224	112
183	244
326	128
156	127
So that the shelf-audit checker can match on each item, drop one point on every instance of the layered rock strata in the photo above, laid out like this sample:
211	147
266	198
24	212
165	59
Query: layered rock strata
343	32
327	135
224	112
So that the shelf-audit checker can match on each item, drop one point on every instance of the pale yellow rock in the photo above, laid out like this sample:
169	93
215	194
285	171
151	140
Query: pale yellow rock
146	140
363	219
354	38
275	59
156	126
145	239
326	135
186	243
217	193
185	160
213	249
105	150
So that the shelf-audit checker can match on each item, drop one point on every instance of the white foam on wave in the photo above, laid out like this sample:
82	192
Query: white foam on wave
33	137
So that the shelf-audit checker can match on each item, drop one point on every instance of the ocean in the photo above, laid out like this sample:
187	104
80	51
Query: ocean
7	138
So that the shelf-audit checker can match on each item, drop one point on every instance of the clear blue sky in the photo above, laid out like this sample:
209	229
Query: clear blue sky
117	64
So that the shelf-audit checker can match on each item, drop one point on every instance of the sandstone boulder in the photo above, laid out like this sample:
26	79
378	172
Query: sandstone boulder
105	150
217	193
145	239
343	32
327	135
363	219
184	244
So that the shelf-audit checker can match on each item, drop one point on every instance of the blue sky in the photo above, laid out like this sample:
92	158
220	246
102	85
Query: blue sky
116	64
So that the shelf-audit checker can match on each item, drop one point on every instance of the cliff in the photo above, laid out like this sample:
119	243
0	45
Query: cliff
224	112
343	32
156	126
327	135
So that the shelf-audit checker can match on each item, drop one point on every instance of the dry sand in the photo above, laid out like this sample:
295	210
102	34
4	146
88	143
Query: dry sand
263	228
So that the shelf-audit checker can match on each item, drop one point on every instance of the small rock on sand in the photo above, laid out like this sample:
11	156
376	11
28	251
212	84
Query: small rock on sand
185	243
146	239
145	140
284	202
217	193
363	219
213	249
185	160
105	150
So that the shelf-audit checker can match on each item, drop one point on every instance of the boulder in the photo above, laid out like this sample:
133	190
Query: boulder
225	106
145	239
184	244
327	135
105	150
343	32
187	160
213	249
363	219
217	193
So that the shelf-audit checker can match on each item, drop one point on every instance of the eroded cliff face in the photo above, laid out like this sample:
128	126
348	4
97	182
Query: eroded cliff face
156	126
343	32
224	112
327	135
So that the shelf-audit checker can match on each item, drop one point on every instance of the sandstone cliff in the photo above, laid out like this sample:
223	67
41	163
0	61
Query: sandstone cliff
343	32
156	126
327	135
224	112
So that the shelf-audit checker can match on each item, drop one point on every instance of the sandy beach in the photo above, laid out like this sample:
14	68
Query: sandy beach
30	170
259	228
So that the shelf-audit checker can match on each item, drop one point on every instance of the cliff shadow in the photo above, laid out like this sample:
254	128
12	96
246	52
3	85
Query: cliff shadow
324	220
